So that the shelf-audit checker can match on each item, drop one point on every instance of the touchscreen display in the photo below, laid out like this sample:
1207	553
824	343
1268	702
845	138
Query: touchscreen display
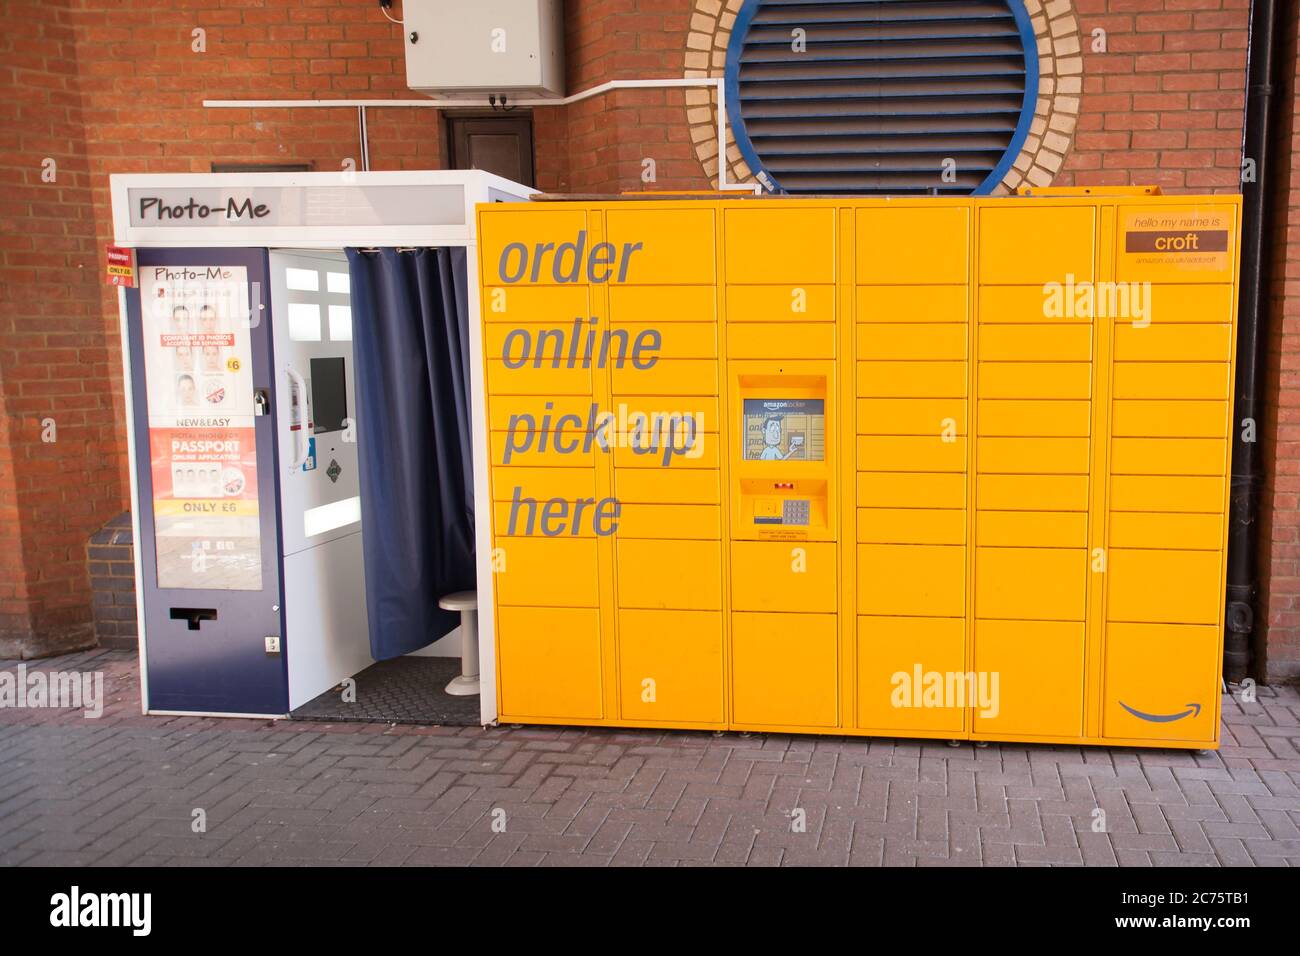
329	395
785	429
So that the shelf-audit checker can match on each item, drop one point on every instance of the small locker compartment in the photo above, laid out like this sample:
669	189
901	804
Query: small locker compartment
1014	248
768	243
668	574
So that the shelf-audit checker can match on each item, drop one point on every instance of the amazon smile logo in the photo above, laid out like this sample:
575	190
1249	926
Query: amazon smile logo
1164	718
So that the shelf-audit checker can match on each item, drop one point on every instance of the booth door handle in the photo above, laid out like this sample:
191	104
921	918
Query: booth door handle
298	434
261	401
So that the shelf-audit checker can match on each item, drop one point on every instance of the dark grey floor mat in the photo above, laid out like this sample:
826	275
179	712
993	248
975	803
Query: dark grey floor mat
405	690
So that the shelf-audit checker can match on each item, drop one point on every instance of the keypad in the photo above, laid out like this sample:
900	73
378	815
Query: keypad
795	511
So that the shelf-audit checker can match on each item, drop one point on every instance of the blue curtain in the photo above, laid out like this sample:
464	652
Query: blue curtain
410	329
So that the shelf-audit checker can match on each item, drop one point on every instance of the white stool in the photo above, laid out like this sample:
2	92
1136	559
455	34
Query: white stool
466	602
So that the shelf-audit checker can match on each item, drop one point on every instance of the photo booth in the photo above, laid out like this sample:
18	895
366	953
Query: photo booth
302	412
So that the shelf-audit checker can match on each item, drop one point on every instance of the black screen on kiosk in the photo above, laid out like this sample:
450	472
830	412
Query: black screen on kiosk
329	395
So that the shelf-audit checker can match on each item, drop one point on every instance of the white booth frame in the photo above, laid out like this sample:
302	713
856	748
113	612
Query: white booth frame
478	187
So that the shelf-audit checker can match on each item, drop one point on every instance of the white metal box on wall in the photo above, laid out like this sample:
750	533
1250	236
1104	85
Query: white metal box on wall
514	47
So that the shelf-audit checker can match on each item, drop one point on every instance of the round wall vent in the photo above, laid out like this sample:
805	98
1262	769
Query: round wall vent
881	97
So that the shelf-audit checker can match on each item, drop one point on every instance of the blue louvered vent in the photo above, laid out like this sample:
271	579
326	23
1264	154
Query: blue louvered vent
884	92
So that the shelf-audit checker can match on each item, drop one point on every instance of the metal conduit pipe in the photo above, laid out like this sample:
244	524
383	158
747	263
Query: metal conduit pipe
716	83
1240	659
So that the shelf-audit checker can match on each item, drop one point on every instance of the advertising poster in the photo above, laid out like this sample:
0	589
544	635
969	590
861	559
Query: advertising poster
1162	244
202	448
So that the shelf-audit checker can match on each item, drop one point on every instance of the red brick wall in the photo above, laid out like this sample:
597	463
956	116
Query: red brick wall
1279	556
55	351
598	144
1164	104
110	559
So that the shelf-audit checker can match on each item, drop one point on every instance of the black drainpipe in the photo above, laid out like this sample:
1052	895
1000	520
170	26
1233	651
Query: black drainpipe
1252	340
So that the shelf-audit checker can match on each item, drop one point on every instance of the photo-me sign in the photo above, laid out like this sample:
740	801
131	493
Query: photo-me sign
301	210
297	205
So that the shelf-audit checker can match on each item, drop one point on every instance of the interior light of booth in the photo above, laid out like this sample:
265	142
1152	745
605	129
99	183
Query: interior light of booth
338	283
304	321
340	323
302	280
336	514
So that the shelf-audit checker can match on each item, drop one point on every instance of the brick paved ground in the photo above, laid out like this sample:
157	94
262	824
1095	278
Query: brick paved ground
122	790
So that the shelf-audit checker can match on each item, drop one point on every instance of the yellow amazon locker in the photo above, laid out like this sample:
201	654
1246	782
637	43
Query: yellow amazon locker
935	467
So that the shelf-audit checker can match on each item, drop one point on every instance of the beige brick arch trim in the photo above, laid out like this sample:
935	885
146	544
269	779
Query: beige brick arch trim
1051	134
